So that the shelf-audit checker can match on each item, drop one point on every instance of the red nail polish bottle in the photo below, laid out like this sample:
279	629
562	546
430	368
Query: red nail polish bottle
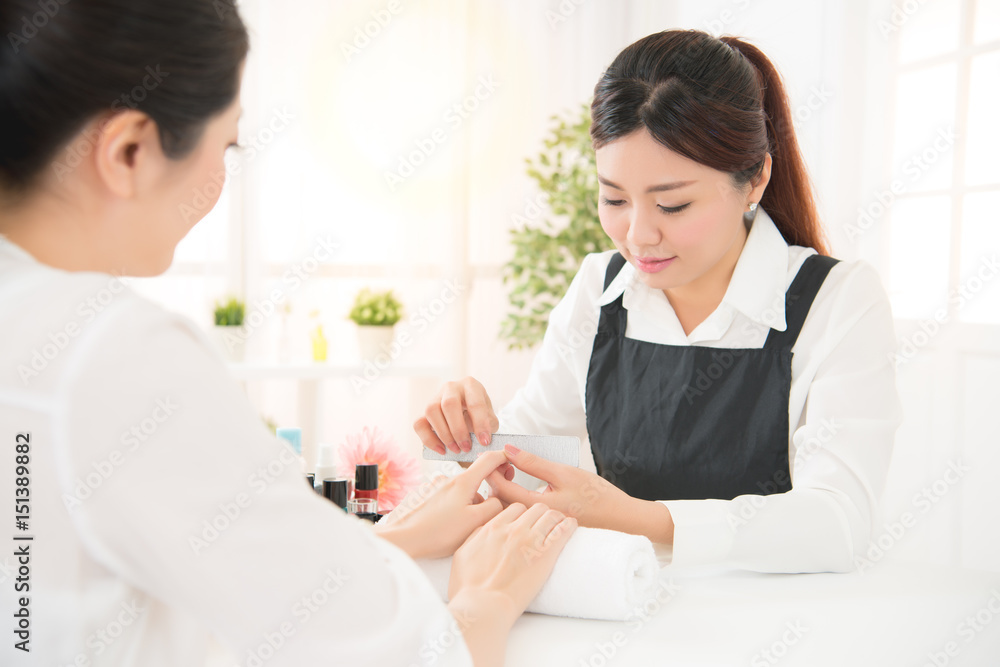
366	481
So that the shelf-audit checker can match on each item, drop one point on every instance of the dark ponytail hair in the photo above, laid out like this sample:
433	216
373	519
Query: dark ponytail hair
719	102
63	63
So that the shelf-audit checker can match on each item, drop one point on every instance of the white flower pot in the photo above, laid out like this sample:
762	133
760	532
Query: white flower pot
374	340
230	340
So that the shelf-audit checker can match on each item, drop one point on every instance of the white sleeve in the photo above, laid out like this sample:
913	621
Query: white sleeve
552	401
208	512
842	450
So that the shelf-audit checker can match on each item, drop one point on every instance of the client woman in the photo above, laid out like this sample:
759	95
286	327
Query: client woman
113	115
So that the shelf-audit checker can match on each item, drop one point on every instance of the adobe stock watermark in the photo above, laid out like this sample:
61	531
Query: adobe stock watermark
230	511
746	507
418	323
724	21
816	99
453	118
636	620
203	198
562	12
778	649
39	358
302	611
437	646
533	209
899	15
967	629
922	502
101	639
130	440
929	328
365	34
913	168
85	143
47	10
262	309
224	7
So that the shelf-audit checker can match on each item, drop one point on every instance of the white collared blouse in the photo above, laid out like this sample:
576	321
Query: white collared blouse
164	512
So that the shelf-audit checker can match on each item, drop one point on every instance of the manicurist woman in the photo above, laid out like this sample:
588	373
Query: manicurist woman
734	381
163	512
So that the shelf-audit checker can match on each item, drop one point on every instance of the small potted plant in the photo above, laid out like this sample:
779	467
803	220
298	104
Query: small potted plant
228	320
375	313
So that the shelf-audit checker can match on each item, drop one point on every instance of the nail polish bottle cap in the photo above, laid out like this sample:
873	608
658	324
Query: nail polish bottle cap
336	490
366	476
293	435
311	479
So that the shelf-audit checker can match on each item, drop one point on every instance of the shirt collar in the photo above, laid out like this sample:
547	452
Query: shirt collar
15	252
757	288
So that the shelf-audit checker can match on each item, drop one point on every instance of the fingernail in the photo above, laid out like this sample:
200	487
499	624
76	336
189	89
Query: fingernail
484	438
512	450
466	446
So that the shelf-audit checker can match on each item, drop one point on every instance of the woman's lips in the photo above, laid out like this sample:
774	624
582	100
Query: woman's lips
653	264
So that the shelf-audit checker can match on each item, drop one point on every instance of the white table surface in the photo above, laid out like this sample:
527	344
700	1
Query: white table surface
892	614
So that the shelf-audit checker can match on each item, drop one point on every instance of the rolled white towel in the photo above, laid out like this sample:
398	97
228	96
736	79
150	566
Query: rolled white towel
600	574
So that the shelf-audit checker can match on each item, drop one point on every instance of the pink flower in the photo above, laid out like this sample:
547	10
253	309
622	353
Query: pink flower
398	472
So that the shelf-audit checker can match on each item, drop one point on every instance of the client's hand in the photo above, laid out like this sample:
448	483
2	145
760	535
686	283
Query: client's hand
499	570
435	519
513	554
592	500
588	497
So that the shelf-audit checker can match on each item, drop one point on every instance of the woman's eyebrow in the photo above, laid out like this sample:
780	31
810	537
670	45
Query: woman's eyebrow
662	187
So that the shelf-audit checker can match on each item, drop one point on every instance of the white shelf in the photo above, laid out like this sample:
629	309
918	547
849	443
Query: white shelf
245	371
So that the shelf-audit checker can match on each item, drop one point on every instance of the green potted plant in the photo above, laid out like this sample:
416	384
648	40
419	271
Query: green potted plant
375	314
228	322
548	252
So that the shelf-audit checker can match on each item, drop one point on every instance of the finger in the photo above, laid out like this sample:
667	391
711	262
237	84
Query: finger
477	498
453	407
560	534
532	515
545	470
547	522
494	421
511	492
435	416
484	421
481	468
427	436
509	514
487	510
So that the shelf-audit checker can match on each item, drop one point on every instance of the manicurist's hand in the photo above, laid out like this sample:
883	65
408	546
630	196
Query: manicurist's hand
592	500
434	520
499	570
460	408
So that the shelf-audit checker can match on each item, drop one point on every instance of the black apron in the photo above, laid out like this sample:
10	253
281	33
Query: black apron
674	422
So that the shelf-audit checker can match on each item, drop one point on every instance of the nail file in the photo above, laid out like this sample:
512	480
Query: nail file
557	448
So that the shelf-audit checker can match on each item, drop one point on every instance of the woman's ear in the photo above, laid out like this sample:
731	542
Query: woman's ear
127	142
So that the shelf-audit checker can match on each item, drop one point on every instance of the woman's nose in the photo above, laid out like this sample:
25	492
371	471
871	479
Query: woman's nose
643	229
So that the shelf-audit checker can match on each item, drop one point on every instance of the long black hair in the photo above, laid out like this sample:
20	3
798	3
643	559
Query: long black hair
64	63
719	102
